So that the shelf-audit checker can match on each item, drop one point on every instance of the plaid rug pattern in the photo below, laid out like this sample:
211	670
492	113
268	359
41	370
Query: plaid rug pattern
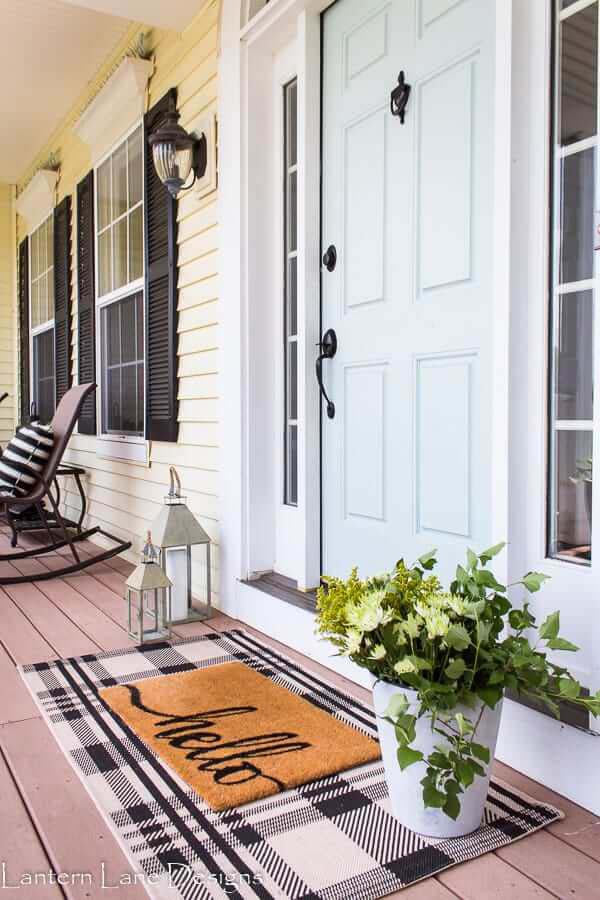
333	839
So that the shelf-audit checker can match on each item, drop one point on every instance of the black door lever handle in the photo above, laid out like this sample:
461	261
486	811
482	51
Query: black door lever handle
328	347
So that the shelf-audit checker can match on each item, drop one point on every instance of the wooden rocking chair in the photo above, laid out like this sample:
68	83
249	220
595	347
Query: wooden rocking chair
63	423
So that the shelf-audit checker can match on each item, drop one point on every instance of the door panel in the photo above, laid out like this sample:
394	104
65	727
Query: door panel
407	459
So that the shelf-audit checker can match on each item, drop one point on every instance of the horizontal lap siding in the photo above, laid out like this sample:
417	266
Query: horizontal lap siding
8	331
124	497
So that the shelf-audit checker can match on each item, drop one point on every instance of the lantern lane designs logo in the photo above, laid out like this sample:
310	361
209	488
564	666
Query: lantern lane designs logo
228	761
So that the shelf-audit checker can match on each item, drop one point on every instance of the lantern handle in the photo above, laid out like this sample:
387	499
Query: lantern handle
174	477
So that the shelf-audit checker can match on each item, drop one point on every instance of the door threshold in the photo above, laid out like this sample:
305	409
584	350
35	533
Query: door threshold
285	589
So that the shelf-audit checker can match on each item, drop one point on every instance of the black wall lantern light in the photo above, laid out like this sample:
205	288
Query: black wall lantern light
176	154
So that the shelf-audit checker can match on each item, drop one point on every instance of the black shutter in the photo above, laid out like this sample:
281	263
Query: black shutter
24	328
86	312
62	297
160	231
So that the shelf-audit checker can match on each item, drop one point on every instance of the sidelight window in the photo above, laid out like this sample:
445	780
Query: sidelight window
290	350
573	288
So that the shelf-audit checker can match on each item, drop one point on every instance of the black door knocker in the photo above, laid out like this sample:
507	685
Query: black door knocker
399	97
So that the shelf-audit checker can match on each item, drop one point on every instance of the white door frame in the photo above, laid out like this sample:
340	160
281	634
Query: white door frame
242	59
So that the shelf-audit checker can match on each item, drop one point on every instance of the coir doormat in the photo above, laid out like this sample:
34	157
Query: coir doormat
235	735
330	839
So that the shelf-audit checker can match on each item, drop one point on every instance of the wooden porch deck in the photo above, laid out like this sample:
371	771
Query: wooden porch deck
50	823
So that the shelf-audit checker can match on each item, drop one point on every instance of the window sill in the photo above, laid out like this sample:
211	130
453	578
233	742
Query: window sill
132	450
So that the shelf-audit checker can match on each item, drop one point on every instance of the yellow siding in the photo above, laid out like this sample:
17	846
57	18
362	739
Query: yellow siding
125	497
7	314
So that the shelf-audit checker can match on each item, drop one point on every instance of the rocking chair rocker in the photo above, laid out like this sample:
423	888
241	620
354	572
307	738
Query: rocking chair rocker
63	423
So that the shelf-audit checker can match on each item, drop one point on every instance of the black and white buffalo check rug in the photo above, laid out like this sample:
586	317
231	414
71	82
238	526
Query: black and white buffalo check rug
333	839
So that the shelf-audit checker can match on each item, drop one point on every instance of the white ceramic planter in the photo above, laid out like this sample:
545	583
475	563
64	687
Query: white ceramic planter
405	789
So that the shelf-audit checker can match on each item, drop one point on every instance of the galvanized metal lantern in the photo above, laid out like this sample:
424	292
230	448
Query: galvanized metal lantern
176	531
149	599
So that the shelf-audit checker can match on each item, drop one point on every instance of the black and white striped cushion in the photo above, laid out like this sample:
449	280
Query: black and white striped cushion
24	459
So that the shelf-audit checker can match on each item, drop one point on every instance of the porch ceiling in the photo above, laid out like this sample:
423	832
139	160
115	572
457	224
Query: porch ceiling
174	14
50	50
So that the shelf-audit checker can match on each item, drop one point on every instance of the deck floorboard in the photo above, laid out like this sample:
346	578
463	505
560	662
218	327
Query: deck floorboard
51	809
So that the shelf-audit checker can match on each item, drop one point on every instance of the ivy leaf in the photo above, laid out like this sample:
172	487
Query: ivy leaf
465	773
472	560
480	752
432	797
533	581
452	806
428	560
458	637
550	628
490	695
455	669
562	644
486	579
489	554
408	757
569	688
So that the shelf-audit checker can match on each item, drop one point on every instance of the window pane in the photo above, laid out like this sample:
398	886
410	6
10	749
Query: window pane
112	320
42	249
50	242
579	75
43	298
34	305
103	189
50	294
128	326
123	379
139	326
135	167
292	213
129	399
577	251
292	411
119	188
140	398
291	125
292	297
105	262
113	400
575	356
119	231
136	248
573	491
43	374
292	468
34	255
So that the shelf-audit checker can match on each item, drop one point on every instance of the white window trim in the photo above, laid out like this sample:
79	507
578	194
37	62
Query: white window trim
124	447
36	330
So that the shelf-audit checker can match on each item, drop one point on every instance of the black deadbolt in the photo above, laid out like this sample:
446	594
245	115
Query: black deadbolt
330	258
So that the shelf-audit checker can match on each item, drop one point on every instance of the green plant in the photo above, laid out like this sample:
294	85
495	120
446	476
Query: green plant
454	648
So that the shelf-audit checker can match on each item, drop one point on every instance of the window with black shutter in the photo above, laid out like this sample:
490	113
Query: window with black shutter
160	219
119	226
86	305
62	298
25	395
41	319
